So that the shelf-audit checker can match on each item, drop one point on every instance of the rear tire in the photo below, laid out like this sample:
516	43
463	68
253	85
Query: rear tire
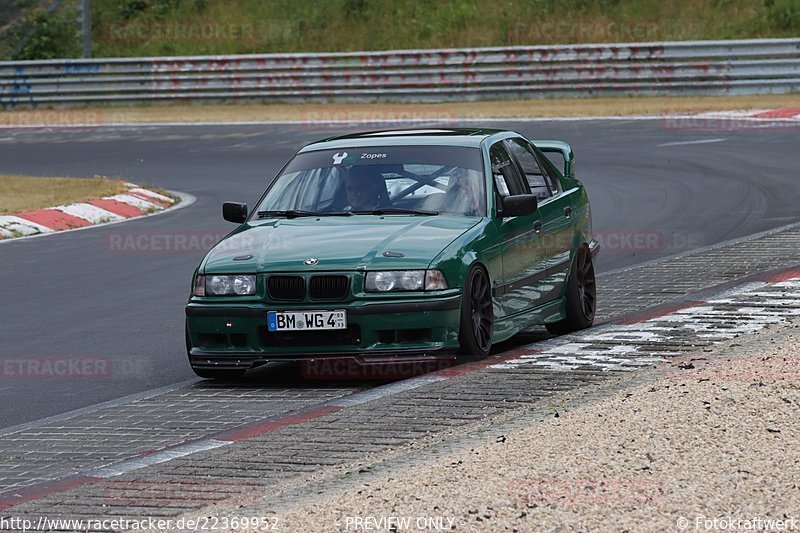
477	316
581	296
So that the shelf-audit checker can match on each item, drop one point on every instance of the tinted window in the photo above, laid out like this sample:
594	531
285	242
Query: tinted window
506	178
445	179
551	180
537	180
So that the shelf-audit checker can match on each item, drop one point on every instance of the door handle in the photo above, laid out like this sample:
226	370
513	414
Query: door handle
567	212
537	227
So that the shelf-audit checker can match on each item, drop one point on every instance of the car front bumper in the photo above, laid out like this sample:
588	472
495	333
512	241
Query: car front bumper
226	336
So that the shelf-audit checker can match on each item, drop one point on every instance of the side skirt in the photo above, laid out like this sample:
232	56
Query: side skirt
510	325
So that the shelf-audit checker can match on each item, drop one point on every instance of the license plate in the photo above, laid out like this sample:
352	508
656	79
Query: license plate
306	320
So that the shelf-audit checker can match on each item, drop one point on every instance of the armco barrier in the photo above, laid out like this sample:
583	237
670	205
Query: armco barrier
665	68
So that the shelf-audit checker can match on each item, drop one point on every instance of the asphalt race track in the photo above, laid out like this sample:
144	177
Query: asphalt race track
114	295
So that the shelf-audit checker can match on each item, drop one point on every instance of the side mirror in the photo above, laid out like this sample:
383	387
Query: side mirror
234	212
520	204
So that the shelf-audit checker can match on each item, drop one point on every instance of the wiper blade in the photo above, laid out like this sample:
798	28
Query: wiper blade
288	213
396	211
292	213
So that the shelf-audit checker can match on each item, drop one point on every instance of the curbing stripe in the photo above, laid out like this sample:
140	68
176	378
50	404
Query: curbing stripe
261	427
376	393
11	224
40	490
54	219
117	207
89	212
167	454
150	199
779	113
185	201
152	194
734	113
786	275
135	201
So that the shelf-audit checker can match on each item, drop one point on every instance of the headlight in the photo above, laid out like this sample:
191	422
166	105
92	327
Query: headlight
225	285
405	280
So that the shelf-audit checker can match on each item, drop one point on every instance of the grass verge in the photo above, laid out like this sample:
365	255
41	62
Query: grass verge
173	27
25	193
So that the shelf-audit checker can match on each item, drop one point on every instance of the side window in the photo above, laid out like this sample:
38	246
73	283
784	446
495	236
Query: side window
551	180
553	170
535	175
506	177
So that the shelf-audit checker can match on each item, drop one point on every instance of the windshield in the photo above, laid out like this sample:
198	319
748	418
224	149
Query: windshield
421	180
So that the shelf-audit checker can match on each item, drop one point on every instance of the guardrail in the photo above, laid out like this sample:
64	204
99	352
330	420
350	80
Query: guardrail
665	68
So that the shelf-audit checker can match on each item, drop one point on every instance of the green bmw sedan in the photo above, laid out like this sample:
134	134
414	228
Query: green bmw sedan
403	245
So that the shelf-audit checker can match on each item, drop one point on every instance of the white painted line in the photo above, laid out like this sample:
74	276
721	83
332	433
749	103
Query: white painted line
92	213
176	452
357	398
700	141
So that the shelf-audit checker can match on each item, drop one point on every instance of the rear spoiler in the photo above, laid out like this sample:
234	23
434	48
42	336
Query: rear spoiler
563	149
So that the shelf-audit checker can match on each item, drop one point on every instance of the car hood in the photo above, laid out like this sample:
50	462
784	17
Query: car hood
337	243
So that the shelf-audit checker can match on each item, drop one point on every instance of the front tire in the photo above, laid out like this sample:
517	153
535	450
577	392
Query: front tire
581	296
477	316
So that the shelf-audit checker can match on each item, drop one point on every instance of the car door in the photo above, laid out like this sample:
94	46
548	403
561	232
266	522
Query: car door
555	208
522	249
